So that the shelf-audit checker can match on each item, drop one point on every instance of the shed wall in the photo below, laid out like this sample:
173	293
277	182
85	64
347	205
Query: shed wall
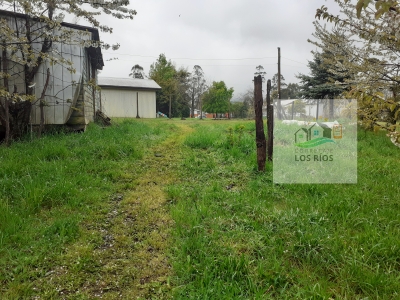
62	85
121	103
61	94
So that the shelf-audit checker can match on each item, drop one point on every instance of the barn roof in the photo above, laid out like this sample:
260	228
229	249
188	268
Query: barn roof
128	83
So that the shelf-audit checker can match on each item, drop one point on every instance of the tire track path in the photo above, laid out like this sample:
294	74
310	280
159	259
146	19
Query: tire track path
138	238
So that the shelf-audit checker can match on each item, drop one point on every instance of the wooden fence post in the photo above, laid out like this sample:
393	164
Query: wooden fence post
260	136
270	122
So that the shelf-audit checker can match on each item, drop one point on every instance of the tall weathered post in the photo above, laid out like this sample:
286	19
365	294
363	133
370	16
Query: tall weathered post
260	136
270	122
279	85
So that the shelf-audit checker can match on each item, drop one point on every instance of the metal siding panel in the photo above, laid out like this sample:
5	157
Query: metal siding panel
147	108
60	87
122	103
39	84
69	89
49	109
57	101
119	104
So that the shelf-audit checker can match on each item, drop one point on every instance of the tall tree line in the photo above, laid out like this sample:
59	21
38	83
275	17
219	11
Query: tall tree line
181	91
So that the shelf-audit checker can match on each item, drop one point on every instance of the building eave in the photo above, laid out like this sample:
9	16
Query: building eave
128	88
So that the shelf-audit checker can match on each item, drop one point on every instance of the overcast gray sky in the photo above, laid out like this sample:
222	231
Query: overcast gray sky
228	39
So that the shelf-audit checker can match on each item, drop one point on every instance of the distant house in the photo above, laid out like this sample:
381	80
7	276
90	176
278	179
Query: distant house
128	97
69	99
205	115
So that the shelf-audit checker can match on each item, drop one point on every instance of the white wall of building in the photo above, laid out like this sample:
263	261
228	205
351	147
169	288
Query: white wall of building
121	103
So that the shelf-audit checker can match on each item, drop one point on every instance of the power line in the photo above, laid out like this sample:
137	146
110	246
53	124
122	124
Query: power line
190	65
244	58
212	59
294	60
293	66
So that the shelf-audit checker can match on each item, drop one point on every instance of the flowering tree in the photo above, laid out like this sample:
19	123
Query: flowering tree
28	30
374	58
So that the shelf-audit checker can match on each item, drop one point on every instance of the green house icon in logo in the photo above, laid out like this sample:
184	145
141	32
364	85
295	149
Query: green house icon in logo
301	135
327	131
317	134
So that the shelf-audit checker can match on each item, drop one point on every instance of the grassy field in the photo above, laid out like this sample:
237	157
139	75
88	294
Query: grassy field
238	236
222	230
60	197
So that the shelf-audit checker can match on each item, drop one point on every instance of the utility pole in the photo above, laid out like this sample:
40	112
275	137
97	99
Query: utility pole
279	84
270	122
201	108
170	103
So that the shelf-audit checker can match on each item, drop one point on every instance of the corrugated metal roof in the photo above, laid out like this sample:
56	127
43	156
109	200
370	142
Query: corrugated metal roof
128	83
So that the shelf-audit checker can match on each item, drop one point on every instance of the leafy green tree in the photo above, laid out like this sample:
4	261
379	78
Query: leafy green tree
274	86
291	91
248	102
329	76
239	109
298	107
274	82
173	98
182	105
260	71
217	98
137	72
197	86
320	83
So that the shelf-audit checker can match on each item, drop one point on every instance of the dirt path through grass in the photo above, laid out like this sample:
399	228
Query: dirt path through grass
124	243
136	243
148	218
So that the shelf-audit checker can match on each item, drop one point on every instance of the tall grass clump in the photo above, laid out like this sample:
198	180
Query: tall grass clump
205	137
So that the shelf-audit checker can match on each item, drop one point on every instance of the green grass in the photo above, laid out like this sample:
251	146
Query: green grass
238	236
235	234
51	187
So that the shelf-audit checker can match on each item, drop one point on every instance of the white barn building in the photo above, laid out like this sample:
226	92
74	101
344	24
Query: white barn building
128	97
